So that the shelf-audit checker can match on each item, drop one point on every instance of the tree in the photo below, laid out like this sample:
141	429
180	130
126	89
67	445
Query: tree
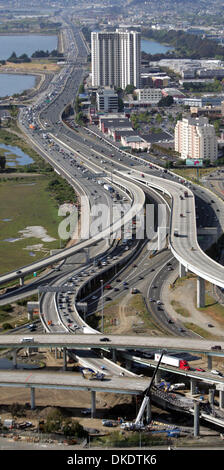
129	89
54	421
166	101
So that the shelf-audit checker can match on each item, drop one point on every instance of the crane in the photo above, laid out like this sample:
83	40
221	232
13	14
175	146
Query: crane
147	393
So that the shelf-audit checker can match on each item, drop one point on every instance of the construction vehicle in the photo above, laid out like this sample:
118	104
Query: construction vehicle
91	375
173	361
146	398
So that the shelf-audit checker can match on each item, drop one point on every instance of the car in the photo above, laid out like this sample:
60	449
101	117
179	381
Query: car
108	286
104	339
108	298
87	411
215	372
210	325
199	369
216	347
181	215
94	297
170	321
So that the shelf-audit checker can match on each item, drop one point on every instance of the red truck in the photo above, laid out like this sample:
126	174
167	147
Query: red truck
173	361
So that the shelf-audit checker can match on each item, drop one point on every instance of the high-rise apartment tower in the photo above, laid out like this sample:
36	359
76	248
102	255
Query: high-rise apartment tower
195	138
116	58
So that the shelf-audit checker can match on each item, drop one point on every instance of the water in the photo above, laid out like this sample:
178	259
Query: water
153	47
26	44
11	84
15	156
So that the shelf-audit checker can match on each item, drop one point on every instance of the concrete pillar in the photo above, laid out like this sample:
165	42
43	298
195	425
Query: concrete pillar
193	386
196	419
221	399
200	292
181	270
14	354
127	364
114	355
56	353
21	281
32	398
93	404
162	232
30	316
158	377
211	398
209	362
64	358
148	412
86	251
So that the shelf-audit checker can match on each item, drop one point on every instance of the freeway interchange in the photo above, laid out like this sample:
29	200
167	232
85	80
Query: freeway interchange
133	178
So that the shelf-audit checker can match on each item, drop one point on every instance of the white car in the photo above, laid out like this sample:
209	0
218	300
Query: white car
215	372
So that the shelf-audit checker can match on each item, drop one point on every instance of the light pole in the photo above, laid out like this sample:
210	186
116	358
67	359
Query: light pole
102	309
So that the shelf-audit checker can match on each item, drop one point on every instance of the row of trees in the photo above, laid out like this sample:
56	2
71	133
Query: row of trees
186	45
39	54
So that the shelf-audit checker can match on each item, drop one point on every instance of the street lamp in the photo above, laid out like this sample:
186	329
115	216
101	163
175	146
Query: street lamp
102	308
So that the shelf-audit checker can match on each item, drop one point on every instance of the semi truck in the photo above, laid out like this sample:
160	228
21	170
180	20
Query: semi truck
173	361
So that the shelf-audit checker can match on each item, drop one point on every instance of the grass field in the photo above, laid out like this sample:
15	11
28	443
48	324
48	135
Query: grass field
26	203
192	172
34	66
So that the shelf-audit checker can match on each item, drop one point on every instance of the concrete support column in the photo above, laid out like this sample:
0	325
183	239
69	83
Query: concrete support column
127	364
221	399
196	419
86	251
93	404
114	355
64	358
209	362
32	398
200	292
30	316
162	232
14	354
108	242
21	281
56	353
158	377
193	386
181	270
211	398
148	412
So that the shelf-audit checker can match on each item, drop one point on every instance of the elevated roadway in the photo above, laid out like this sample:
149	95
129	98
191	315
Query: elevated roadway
185	245
114	342
67	381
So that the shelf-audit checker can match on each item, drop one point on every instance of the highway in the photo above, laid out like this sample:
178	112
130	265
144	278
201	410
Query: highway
175	344
68	381
185	246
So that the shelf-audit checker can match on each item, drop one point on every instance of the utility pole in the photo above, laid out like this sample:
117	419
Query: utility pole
102	309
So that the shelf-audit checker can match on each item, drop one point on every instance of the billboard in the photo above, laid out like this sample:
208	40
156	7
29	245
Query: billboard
194	162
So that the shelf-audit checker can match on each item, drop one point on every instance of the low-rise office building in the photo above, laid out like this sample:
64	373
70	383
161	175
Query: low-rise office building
107	100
